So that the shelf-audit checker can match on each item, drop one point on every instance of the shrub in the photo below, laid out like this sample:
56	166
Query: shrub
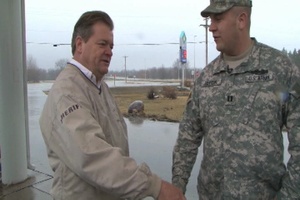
169	92
151	93
188	83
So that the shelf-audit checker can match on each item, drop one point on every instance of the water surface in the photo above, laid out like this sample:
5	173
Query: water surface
150	142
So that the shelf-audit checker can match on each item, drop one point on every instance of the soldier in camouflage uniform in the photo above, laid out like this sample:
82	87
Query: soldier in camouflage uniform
238	107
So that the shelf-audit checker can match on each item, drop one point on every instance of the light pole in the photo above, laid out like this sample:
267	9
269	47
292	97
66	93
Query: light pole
125	57
206	40
194	56
145	68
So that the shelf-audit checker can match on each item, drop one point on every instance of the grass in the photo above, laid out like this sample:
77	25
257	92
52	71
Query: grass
160	109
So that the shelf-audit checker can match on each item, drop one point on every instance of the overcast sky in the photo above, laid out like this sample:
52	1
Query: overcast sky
274	22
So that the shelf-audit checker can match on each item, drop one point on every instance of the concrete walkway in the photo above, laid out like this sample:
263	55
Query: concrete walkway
38	184
36	187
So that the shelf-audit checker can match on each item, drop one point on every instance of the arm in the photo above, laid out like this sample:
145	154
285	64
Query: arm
291	181
188	141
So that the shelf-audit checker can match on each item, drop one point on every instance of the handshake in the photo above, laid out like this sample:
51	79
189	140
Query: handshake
170	192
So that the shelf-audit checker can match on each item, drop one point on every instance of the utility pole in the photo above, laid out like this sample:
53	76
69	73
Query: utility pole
194	57
125	57
206	40
145	68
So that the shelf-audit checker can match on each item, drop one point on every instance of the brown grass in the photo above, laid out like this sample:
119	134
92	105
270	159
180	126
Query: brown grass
161	109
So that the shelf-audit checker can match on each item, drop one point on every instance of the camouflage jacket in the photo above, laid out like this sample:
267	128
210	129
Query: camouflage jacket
239	114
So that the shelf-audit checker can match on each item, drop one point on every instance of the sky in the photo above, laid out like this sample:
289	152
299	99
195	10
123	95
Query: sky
274	22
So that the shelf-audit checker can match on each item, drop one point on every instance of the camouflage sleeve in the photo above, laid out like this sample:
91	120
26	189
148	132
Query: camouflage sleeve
188	141
291	181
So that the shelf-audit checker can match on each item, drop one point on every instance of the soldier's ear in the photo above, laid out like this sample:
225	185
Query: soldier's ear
242	20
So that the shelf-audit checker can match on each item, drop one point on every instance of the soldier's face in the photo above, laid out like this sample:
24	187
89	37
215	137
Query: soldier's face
224	30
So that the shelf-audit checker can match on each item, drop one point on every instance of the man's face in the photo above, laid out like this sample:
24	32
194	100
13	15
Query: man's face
225	31
96	53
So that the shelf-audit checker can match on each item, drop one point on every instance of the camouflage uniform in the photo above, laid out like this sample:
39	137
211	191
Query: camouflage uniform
240	114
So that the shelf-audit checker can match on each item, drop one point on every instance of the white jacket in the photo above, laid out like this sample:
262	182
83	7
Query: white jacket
86	139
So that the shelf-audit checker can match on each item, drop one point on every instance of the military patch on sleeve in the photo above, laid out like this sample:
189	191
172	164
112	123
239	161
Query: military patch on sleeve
69	111
259	78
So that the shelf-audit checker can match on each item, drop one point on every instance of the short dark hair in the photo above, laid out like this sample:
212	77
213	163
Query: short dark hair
83	26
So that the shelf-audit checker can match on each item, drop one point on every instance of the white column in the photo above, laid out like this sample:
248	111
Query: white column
12	106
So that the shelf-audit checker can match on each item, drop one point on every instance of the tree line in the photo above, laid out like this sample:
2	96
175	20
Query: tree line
36	74
162	72
294	55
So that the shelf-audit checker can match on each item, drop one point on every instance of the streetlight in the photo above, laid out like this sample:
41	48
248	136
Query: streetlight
125	69
145	68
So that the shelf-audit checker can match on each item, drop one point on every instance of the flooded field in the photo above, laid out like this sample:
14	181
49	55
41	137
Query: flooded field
150	142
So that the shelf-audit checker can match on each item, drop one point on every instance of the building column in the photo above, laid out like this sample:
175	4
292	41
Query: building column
13	114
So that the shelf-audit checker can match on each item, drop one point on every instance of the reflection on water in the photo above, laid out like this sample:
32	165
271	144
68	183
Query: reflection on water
36	100
150	141
153	143
136	120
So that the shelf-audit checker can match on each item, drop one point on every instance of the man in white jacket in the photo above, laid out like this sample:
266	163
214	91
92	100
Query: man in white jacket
84	131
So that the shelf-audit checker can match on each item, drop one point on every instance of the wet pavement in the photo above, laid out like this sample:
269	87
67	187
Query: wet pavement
35	187
38	184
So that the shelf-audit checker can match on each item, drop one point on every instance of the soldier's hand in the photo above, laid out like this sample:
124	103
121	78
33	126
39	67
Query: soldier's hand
170	192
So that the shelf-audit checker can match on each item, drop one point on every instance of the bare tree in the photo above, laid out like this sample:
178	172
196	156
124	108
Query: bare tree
61	63
31	62
177	68
33	72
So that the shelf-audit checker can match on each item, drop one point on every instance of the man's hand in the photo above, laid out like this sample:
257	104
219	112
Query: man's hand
170	192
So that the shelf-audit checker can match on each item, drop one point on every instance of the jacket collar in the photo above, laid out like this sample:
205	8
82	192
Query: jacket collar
249	65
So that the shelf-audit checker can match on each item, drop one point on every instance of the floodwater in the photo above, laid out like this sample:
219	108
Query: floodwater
149	141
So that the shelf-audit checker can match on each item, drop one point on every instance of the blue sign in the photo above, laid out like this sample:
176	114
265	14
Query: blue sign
182	48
